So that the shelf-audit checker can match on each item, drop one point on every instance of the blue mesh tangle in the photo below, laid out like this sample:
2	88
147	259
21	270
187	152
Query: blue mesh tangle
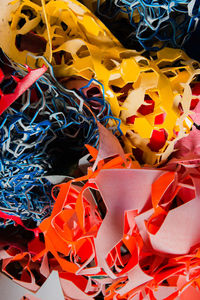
42	133
150	24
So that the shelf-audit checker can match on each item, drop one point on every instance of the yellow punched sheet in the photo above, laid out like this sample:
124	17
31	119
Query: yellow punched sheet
151	96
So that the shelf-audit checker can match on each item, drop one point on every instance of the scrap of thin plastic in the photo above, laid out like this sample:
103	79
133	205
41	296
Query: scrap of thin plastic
152	96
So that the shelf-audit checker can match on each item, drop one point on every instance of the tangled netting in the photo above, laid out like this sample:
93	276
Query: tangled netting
45	125
151	23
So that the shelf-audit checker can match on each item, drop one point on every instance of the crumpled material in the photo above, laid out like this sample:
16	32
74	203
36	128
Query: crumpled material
77	44
124	242
120	230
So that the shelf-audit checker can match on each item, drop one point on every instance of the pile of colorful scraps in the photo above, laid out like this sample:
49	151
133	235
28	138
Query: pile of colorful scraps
99	148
